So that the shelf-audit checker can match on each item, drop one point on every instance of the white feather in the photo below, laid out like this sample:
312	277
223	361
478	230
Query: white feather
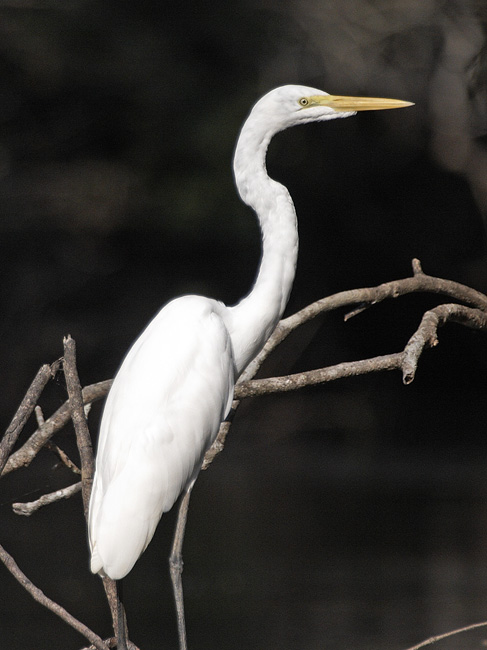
163	412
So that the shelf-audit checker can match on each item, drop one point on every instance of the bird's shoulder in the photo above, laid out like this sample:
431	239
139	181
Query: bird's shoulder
183	358
186	327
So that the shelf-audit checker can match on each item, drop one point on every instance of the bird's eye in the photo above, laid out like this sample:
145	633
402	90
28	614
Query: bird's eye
304	101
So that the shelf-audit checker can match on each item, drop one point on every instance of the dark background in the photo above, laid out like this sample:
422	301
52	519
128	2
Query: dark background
351	515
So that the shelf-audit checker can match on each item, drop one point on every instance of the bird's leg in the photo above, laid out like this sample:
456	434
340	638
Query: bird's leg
176	566
113	590
122	632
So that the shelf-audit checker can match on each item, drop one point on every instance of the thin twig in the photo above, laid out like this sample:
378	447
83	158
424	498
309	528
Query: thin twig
65	459
217	447
39	416
427	333
87	466
24	411
41	598
417	267
27	509
288	383
439	637
83	439
26	454
368	296
111	642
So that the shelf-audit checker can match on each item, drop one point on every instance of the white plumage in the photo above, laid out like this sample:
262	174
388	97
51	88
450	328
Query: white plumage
175	385
168	399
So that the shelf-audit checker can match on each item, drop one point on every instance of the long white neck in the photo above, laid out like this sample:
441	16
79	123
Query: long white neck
254	318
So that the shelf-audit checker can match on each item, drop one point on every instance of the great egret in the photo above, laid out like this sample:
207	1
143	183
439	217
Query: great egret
176	383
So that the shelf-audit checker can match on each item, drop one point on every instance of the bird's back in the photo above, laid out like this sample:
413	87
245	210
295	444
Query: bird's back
164	410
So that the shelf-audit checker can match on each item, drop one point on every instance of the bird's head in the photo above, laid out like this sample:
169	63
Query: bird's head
289	105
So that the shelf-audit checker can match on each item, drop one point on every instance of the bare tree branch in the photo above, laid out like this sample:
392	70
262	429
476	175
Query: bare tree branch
367	297
26	408
425	336
439	637
427	333
39	416
287	383
26	454
76	404
27	509
218	445
75	408
111	642
407	361
54	448
24	411
41	598
472	313
65	459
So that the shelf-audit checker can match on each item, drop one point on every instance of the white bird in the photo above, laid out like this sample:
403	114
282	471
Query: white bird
175	386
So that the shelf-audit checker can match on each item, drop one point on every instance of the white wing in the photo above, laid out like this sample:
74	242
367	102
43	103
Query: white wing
163	412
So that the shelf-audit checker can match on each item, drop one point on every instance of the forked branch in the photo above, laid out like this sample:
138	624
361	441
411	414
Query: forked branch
365	298
24	411
426	336
26	454
475	316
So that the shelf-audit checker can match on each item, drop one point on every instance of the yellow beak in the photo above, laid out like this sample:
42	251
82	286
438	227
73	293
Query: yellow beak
343	104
